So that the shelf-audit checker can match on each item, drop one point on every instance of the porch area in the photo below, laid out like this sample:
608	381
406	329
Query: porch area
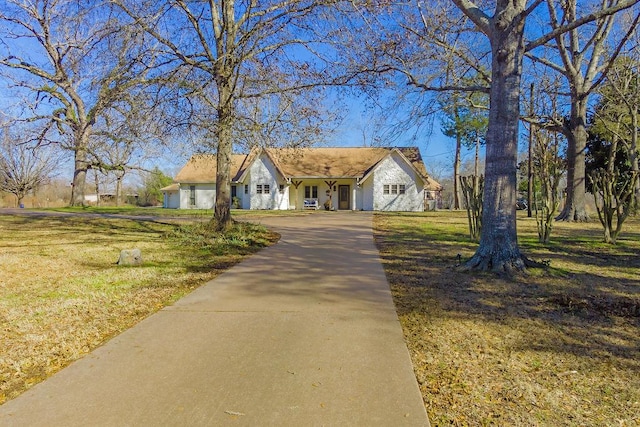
329	194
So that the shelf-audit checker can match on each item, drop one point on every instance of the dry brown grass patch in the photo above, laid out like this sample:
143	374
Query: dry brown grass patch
62	294
556	347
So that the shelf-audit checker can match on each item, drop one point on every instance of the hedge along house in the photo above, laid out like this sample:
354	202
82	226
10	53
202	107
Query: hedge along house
381	178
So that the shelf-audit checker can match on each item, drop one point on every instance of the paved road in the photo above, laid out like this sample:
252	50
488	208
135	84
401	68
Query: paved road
303	333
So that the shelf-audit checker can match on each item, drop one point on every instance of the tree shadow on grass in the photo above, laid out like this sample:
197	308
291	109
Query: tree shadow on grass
588	314
82	229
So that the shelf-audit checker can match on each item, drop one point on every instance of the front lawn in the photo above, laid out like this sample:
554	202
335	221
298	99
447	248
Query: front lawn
62	294
556	347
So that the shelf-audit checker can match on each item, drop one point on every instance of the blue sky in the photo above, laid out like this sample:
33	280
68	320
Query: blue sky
434	146
437	150
356	130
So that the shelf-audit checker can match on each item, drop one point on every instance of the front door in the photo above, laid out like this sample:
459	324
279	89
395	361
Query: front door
344	197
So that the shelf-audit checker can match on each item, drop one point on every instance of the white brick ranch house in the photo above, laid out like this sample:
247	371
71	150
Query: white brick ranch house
381	178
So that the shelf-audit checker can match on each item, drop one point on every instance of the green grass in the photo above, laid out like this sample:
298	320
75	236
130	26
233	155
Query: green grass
555	347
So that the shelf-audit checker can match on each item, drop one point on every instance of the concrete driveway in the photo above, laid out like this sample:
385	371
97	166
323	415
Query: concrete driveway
304	333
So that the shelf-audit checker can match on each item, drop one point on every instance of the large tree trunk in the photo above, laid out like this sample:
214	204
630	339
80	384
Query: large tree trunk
81	162
81	166
498	250
575	204
97	181
222	214
118	188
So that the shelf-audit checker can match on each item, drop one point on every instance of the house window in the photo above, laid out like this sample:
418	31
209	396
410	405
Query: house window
266	189
192	195
246	189
234	191
394	189
281	188
259	188
311	192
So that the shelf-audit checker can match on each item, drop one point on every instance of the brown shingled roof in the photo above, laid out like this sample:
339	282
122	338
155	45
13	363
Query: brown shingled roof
201	168
338	162
324	162
171	187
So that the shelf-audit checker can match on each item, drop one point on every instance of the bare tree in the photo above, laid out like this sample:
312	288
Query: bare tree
498	248
584	55
23	168
243	66
402	52
546	163
434	46
472	189
62	59
113	156
548	168
612	149
613	190
126	139
620	112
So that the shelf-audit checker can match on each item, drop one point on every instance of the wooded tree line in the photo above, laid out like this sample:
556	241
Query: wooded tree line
112	81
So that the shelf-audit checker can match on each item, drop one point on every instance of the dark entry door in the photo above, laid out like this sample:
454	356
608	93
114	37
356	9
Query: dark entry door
344	197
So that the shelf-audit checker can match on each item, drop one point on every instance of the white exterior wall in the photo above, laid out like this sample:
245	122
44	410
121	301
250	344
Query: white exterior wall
355	193
367	195
282	199
358	195
245	199
296	196
298	202
184	196
171	199
394	170
262	172
205	196
352	192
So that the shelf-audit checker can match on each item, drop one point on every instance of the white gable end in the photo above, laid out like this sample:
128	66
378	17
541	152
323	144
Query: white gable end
197	196
264	186
396	186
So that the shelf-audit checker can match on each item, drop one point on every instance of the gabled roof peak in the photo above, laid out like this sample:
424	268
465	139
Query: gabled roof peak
308	162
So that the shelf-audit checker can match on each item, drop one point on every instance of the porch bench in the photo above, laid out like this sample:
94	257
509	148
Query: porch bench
311	204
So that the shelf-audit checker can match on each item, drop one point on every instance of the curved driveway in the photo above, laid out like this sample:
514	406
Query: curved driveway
304	333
